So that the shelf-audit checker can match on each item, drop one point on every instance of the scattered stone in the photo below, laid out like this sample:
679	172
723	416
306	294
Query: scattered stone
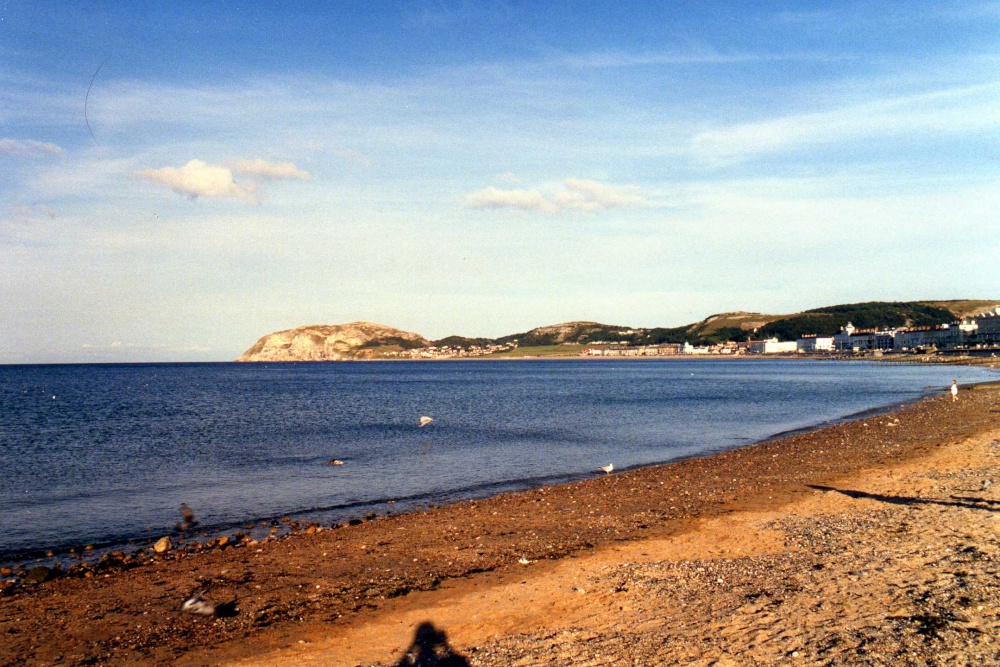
39	575
163	545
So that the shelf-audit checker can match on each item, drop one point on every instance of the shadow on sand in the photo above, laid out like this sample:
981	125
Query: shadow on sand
430	649
955	501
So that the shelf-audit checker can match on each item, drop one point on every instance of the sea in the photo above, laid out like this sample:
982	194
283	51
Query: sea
104	455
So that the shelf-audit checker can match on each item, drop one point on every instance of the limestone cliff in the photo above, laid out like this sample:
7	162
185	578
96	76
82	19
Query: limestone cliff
356	340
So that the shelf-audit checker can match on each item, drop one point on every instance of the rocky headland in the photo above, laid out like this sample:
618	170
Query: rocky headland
336	342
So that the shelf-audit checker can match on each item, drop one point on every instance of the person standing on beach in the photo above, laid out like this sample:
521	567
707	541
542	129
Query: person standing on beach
954	390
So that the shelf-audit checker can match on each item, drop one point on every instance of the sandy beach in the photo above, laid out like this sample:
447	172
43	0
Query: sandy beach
871	542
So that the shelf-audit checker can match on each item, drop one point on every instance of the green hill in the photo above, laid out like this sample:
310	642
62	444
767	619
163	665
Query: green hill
741	325
870	315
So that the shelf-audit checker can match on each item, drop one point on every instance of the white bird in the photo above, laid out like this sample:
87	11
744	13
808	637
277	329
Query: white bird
197	605
424	421
608	468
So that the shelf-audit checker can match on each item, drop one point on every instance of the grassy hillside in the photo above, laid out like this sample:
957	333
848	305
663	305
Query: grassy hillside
741	326
870	315
965	307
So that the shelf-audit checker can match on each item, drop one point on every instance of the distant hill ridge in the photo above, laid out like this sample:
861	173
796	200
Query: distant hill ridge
365	340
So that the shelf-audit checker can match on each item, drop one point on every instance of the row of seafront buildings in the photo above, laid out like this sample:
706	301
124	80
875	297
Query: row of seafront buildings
979	331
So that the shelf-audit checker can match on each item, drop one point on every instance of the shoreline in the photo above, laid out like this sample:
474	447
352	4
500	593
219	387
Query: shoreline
335	579
955	357
137	550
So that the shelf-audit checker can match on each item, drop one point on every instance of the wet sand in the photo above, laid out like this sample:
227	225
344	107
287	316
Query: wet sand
870	542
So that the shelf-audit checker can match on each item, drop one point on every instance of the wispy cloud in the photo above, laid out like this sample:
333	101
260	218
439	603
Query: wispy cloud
589	195
23	217
270	170
943	112
28	148
703	56
574	195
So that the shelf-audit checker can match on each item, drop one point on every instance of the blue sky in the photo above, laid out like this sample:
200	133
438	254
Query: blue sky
178	179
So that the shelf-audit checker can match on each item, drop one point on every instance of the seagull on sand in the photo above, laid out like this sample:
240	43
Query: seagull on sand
198	606
608	468
424	421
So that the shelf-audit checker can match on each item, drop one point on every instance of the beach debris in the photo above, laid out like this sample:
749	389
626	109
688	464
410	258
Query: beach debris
336	462
198	606
608	468
986	484
163	545
424	421
188	521
523	561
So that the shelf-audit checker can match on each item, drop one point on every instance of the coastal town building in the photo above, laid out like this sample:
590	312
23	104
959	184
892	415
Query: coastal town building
814	343
988	328
772	346
614	350
924	337
863	340
978	331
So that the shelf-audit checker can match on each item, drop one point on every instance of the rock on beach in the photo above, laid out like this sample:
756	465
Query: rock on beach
163	545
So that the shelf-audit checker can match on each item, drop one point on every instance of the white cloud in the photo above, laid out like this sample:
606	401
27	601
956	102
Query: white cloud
575	194
524	200
589	195
270	170
28	148
198	179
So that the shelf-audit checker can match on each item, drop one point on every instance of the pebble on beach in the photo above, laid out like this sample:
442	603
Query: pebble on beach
163	545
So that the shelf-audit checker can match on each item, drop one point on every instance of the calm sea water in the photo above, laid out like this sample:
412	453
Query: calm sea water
105	454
